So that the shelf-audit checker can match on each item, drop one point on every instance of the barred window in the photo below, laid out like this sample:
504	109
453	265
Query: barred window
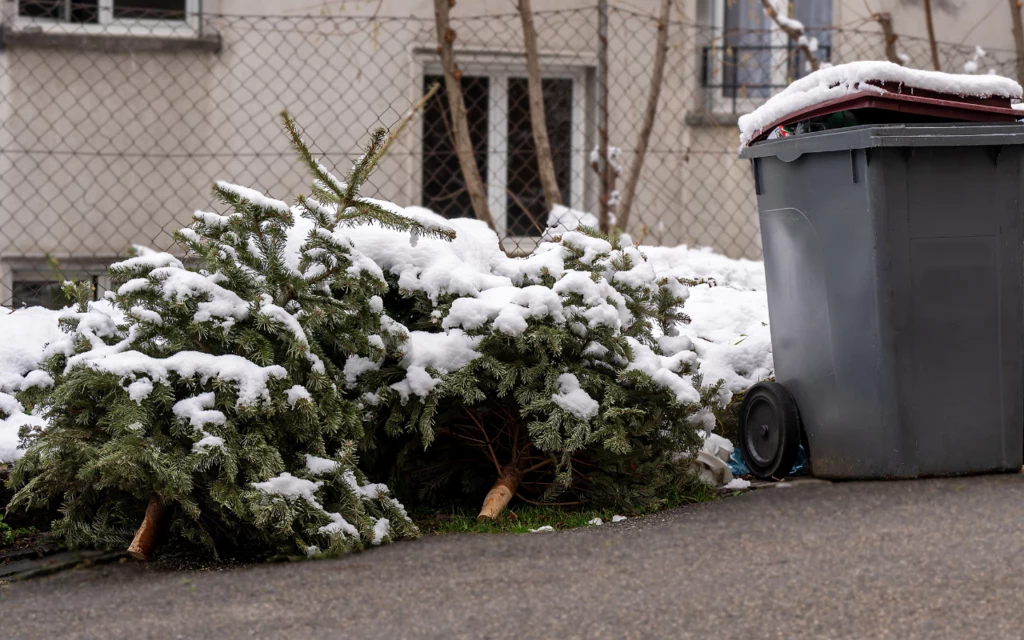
751	58
498	111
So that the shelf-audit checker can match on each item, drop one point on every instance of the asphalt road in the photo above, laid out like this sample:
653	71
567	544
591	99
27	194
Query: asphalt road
913	559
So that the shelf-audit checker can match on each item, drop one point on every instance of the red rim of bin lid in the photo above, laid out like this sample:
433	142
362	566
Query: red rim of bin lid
900	98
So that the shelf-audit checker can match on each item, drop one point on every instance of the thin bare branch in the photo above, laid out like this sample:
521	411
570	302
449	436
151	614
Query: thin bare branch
884	20
404	122
539	465
483	431
931	35
797	34
653	95
538	120
457	109
546	504
604	177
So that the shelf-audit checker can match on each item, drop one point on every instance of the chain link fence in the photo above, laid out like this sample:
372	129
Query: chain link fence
112	127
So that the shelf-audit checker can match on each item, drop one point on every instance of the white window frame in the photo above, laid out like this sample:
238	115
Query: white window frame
108	25
719	103
499	67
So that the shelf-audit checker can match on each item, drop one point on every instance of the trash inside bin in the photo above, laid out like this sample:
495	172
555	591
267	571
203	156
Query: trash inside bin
893	258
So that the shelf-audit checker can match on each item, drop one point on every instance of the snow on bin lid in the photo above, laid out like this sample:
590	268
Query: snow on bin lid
842	83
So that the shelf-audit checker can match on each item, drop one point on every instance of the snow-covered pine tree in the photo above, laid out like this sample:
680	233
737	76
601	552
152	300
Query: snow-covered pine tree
212	394
554	388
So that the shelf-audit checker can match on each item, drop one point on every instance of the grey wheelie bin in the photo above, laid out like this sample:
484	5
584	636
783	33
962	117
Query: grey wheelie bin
893	256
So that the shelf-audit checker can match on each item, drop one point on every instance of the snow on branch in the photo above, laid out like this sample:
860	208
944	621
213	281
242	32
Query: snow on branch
776	10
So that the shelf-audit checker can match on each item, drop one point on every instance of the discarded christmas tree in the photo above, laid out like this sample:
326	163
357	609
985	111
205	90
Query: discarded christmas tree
209	399
553	388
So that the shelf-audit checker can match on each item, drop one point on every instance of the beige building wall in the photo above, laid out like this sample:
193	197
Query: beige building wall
123	146
970	22
134	139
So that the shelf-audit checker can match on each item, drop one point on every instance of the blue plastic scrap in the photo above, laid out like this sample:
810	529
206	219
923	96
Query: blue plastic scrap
739	467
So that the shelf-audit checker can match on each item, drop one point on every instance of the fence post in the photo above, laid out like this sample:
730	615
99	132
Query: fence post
602	112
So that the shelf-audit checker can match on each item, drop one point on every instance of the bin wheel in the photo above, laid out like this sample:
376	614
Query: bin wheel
769	431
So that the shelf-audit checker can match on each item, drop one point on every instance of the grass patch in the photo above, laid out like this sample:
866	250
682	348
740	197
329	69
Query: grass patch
9	536
522	518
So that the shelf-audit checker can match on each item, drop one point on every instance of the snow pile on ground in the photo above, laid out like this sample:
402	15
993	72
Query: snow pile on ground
737	484
25	332
23	335
728	316
847	79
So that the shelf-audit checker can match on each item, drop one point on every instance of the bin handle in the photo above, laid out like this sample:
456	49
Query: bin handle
788	155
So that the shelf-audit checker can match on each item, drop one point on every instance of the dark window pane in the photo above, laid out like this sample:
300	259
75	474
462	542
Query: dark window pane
150	9
84	11
812	13
816	17
444	189
748	56
42	293
527	210
80	11
53	9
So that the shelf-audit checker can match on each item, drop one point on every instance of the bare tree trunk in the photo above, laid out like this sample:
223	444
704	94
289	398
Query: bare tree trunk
884	20
931	34
657	76
792	32
501	493
602	116
538	120
457	108
1018	37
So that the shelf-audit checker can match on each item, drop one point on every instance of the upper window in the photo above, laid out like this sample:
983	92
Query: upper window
498	113
751	58
104	12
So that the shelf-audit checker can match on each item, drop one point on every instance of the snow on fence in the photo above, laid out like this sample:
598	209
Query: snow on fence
112	128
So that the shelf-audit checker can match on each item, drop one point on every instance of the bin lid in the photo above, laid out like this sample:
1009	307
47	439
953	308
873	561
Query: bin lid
896	98
946	134
879	92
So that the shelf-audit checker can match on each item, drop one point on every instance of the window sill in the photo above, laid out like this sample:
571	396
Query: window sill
34	37
711	119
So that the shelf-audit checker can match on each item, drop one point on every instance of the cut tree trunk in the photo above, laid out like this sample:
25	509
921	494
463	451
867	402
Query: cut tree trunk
457	108
144	544
1018	37
501	493
653	95
538	120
